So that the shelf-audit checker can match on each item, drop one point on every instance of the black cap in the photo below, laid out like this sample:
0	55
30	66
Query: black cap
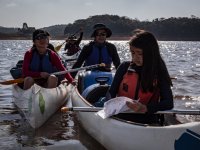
37	33
101	26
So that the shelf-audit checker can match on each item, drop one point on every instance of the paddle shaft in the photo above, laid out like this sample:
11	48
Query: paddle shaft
77	69
95	109
20	80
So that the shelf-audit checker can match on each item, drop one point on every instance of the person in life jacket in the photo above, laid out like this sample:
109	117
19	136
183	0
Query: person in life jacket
39	62
145	79
99	50
72	44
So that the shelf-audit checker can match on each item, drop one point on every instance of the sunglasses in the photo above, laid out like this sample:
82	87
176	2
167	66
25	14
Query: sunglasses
101	34
41	37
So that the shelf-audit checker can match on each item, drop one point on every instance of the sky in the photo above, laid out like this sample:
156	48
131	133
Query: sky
45	13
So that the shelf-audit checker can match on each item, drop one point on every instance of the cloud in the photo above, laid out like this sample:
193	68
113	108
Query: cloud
12	4
88	4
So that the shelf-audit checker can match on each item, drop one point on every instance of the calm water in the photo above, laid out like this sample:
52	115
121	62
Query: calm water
183	62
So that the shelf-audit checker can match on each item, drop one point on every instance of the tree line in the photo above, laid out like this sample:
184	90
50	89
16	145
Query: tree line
181	28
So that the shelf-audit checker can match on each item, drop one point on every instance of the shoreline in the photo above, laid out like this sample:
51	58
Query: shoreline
113	38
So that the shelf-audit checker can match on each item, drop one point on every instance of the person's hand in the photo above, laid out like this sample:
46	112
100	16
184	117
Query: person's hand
44	74
137	106
74	83
81	29
65	81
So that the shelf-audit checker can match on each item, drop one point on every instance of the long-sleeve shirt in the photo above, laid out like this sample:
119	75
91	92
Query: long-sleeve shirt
166	96
55	60
86	51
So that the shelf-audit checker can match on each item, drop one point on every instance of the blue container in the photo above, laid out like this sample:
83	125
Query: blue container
90	77
93	77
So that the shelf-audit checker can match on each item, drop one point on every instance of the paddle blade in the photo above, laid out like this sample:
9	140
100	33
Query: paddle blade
9	82
57	48
66	109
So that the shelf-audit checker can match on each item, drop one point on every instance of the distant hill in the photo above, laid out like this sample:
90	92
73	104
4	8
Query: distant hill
55	30
181	28
8	30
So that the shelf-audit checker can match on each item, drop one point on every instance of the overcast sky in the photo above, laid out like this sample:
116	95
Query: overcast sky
44	13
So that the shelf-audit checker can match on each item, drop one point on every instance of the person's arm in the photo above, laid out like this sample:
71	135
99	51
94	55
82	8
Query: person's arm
81	58
80	38
114	55
25	68
57	62
166	98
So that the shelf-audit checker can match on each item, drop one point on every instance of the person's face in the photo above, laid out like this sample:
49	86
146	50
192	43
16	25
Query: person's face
41	43
100	36
137	55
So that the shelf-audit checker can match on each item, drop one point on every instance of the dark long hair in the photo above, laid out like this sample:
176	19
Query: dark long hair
154	67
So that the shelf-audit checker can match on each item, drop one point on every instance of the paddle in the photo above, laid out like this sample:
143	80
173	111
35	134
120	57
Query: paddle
57	48
96	109
20	80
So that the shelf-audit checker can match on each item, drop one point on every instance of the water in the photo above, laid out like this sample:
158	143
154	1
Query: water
182	60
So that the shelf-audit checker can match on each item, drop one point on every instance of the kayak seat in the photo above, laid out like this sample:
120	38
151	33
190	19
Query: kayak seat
94	92
16	72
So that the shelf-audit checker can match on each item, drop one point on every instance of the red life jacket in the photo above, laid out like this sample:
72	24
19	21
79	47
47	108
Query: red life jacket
131	88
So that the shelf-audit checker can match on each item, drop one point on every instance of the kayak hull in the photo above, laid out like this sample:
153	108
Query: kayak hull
38	104
114	133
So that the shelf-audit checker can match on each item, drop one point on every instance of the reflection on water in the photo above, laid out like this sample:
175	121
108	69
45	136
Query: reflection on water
182	60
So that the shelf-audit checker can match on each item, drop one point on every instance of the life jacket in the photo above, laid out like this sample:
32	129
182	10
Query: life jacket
130	87
99	55
42	63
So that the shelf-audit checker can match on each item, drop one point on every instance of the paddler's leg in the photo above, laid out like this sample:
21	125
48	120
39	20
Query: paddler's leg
28	82
52	81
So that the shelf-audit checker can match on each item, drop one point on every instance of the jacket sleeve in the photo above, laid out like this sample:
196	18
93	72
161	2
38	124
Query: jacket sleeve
81	58
58	64
166	98
114	55
80	38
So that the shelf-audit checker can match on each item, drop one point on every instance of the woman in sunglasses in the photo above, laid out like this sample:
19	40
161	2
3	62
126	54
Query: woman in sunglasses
99	50
40	62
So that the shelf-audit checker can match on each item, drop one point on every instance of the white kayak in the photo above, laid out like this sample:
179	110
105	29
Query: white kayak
38	104
65	57
114	133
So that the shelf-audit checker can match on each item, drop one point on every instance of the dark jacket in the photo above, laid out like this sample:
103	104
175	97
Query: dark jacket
87	49
166	96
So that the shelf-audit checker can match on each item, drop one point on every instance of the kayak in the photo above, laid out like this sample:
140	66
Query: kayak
66	57
38	104
115	133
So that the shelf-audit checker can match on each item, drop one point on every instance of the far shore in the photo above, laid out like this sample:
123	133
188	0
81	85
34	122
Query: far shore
58	38
114	38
